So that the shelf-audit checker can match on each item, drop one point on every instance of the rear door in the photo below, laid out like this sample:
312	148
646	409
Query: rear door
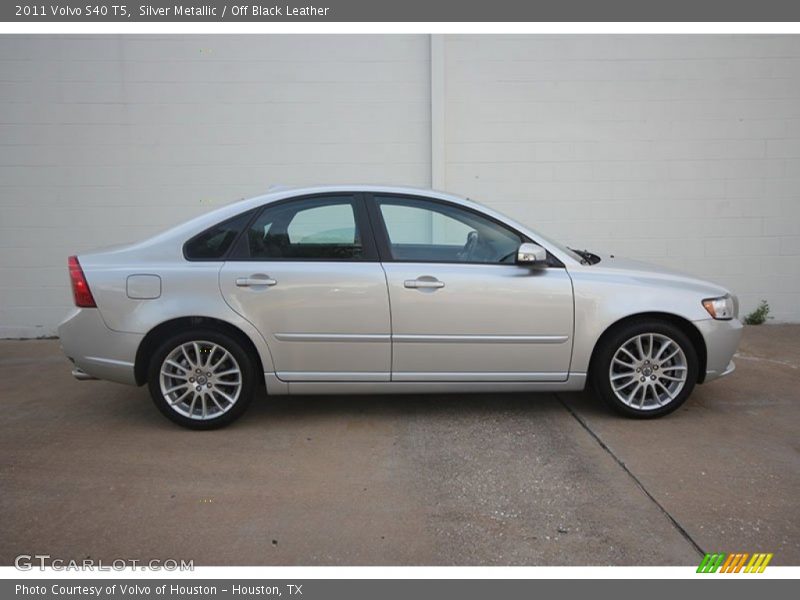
306	274
462	310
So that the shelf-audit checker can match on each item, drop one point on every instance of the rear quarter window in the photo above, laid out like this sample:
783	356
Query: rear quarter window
214	242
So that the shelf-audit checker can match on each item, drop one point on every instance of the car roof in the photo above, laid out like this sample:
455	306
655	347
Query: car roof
282	192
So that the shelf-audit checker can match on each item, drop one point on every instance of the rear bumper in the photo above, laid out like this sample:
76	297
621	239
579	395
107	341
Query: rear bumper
82	375
95	349
722	340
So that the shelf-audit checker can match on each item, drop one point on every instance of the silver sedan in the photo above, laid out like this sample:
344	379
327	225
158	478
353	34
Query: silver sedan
365	290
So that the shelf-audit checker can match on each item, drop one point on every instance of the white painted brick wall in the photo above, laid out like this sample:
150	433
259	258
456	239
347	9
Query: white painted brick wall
681	150
105	140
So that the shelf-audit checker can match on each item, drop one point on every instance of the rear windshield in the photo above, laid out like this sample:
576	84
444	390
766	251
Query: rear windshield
214	242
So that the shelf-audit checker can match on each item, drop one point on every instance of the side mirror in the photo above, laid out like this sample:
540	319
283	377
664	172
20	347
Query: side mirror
531	255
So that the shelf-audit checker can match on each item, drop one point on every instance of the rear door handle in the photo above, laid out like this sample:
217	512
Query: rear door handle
255	280
423	283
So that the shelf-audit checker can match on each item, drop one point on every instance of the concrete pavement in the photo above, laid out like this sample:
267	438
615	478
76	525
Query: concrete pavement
91	469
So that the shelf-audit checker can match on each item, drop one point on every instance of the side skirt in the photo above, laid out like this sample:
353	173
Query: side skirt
574	382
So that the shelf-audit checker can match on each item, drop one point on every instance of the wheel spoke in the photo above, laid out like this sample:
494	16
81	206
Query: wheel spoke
228	384
656	395
214	399
644	395
639	347
625	351
663	360
174	375
180	398
671	378
186	356
622	375
228	372
211	352
666	391
624	385
176	388
177	365
226	396
632	395
663	347
192	405
220	361
197	354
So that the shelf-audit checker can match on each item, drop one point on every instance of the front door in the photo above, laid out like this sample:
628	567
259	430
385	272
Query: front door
306	275
462	310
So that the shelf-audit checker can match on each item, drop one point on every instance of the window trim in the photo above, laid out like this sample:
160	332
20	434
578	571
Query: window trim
238	253
384	246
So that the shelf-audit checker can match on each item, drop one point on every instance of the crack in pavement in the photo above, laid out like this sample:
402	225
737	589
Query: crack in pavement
774	361
635	479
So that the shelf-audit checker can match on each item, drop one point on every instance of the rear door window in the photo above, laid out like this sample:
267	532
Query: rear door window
317	228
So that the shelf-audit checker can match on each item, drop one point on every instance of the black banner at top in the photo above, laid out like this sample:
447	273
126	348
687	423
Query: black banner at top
395	10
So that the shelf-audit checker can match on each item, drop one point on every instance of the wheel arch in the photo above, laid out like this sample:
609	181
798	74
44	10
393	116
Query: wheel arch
686	326
154	337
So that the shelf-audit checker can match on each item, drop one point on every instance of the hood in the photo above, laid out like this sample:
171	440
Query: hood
635	269
620	263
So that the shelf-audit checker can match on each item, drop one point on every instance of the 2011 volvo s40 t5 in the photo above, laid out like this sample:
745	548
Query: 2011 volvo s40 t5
363	289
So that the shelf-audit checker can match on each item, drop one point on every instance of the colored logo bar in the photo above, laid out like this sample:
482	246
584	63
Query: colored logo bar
736	562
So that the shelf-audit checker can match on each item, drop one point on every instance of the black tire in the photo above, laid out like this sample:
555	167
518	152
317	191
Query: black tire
600	376
243	361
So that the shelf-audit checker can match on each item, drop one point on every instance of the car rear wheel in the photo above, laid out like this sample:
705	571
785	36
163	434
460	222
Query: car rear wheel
201	379
645	369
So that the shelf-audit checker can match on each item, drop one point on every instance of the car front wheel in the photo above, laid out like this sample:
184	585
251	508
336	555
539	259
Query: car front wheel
645	369
201	379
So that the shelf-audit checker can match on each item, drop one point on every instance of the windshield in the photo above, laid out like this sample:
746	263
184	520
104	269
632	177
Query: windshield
582	256
565	249
587	257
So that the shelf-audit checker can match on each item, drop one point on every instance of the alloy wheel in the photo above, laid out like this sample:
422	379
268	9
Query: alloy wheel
200	380
648	371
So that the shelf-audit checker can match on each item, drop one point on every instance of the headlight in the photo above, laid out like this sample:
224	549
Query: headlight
722	309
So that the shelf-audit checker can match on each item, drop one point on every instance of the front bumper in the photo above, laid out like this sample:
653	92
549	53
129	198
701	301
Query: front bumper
95	349
722	340
729	369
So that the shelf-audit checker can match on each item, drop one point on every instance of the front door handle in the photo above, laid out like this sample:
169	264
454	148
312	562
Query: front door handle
424	282
255	280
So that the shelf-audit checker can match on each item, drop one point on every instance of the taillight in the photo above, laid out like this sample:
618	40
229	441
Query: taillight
80	287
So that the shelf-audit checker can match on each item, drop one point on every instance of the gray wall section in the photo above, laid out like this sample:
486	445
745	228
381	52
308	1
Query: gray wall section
105	140
683	150
680	150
